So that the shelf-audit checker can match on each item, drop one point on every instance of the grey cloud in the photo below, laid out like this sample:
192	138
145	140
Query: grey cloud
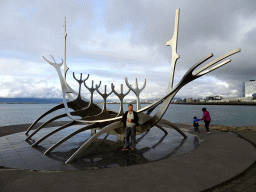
30	29
250	38
35	26
201	23
152	22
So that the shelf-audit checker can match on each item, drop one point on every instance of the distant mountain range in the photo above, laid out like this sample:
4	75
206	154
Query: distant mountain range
30	100
36	100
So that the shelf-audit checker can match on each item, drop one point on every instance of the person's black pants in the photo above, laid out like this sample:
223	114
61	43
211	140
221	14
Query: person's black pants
130	131
207	123
196	128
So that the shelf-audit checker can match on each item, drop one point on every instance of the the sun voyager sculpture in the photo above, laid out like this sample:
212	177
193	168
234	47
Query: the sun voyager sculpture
106	121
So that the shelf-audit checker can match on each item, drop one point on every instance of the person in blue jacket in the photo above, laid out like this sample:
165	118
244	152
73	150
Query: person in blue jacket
196	124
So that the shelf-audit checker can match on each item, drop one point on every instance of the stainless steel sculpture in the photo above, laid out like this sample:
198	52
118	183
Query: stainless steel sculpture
121	98
107	121
136	90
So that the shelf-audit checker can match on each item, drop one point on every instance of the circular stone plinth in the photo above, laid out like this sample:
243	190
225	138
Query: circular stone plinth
105	152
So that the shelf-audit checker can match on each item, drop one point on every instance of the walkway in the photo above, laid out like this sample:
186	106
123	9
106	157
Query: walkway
220	156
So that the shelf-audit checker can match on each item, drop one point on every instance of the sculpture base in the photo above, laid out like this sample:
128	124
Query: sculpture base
105	152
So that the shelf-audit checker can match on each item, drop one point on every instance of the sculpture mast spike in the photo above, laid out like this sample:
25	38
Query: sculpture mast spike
65	43
173	42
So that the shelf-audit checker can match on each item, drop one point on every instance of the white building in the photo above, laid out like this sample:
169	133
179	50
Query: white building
249	88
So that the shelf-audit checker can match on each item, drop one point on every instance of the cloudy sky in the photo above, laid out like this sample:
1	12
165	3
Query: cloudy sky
111	40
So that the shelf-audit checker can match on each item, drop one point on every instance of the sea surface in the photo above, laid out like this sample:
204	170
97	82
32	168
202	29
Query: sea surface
233	115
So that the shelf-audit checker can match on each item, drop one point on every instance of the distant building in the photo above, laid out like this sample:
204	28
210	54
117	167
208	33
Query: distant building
249	88
237	99
183	100
189	100
218	97
210	98
199	100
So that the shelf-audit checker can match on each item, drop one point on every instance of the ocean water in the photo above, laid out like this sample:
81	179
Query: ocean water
233	115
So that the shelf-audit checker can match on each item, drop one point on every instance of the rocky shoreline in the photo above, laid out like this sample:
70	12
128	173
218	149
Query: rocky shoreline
222	128
225	128
232	128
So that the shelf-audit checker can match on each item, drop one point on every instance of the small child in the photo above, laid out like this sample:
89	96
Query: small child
196	124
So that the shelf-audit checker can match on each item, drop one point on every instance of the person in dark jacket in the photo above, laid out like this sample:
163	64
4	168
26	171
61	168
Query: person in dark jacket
130	121
207	119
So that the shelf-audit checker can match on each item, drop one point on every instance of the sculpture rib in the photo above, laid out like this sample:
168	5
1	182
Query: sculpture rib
54	131
136	90
216	61
86	112
92	90
173	42
69	136
80	82
161	128
103	124
44	124
60	106
65	45
89	141
121	97
105	96
214	68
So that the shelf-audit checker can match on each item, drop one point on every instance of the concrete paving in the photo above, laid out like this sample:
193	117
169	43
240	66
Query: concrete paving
246	181
220	156
104	152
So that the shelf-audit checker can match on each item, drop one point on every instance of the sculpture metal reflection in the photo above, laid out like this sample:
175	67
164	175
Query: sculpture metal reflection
107	121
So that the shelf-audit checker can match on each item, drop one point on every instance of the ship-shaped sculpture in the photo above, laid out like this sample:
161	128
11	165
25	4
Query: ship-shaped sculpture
92	116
